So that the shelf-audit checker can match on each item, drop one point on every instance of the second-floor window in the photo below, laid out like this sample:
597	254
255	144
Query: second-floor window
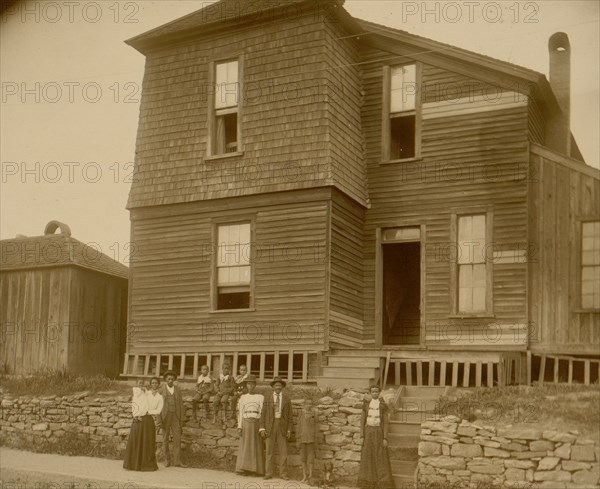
233	267
590	265
401	117
225	138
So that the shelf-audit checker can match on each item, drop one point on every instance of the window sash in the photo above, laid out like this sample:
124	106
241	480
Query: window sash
403	80
471	274
233	255
227	85
590	265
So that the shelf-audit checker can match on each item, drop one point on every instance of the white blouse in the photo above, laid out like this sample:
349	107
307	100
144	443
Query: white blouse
139	403
155	402
250	407
373	416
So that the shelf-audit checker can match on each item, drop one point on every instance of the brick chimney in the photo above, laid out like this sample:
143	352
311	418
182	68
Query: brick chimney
559	50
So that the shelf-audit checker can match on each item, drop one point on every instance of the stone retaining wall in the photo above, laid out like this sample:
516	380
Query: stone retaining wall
107	420
463	454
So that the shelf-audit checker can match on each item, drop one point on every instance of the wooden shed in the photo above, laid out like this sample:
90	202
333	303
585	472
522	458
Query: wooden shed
64	305
329	199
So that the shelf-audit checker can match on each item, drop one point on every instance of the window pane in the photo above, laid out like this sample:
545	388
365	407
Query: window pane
471	288
471	239
478	299
402	137
590	265
403	88
226	94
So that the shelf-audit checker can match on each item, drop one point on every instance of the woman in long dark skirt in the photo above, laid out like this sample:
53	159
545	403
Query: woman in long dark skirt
375	470
141	445
250	458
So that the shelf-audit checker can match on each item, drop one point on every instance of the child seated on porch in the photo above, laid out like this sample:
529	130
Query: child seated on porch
205	387
240	388
224	391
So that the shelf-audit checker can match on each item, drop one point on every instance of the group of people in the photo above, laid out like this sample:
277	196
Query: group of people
264	423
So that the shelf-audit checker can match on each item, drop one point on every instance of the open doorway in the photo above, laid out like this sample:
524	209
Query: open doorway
401	308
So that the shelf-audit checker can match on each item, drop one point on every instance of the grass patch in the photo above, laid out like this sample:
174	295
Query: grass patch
71	444
557	406
55	382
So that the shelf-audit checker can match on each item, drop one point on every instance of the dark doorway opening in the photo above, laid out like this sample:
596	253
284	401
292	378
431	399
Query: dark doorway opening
401	308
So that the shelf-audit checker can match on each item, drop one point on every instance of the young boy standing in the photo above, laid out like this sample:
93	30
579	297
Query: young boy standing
306	435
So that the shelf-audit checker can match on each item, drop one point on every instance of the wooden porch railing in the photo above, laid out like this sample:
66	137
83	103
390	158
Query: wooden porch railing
565	369
291	365
469	371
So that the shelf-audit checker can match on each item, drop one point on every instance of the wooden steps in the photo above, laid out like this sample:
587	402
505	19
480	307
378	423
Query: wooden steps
346	370
414	405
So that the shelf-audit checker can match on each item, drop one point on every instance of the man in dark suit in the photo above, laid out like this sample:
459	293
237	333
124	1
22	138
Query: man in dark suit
172	418
275	427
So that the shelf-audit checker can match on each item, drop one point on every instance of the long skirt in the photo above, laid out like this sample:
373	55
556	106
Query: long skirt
375	470
250	453
141	446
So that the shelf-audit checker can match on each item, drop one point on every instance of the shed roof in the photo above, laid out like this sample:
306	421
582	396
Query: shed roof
53	250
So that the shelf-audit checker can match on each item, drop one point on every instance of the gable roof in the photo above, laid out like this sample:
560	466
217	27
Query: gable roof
53	250
223	11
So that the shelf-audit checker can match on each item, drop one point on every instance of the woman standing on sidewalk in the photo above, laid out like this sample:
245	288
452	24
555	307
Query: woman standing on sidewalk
141	444
375	470
250	458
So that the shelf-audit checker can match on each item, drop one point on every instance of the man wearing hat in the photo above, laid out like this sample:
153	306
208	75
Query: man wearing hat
172	418
275	427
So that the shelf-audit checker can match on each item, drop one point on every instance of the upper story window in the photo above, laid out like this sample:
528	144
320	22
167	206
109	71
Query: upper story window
233	267
225	134
590	265
401	138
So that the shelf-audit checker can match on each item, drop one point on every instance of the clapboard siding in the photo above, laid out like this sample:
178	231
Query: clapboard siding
561	193
473	160
346	277
297	130
171	275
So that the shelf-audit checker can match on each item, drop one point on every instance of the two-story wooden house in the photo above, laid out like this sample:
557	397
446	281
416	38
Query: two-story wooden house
316	194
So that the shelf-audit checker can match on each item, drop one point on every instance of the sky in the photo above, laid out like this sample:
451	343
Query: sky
71	89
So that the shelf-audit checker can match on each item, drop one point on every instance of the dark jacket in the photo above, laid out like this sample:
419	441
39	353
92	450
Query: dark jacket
178	402
268	414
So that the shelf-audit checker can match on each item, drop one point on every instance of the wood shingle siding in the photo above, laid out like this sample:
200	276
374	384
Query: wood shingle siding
291	112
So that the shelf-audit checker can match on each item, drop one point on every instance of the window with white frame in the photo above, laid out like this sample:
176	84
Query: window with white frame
226	108
234	270
402	112
590	265
472	268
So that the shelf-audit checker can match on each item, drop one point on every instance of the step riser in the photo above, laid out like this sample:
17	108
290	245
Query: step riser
342	383
359	373
335	361
404	441
404	429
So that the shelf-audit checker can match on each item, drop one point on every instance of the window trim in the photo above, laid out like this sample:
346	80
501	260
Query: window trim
214	293
489	264
212	111
386	114
578	275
